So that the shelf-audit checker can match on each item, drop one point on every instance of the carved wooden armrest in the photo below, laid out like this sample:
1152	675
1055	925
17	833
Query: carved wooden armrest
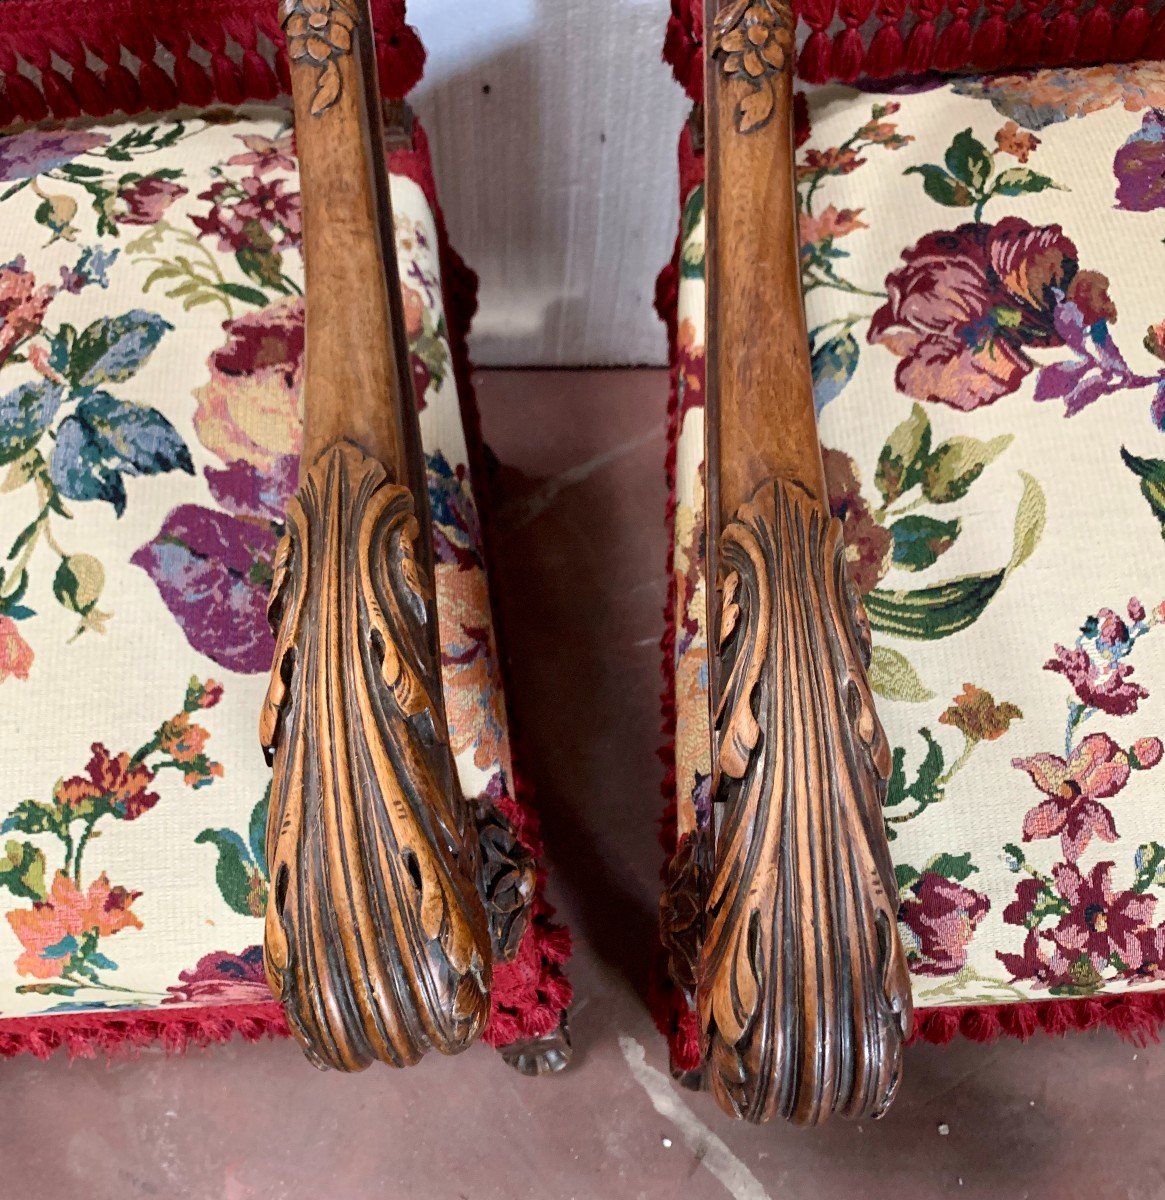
801	986
377	939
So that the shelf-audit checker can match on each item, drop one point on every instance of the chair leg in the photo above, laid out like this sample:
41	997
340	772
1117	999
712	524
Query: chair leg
377	941
802	989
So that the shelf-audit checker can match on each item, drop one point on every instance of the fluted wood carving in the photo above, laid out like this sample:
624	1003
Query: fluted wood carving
805	995
375	940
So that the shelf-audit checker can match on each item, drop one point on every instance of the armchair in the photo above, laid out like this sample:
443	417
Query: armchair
809	905
277	329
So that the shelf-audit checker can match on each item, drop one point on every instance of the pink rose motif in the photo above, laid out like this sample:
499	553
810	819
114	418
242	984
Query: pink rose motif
147	199
941	916
223	978
1107	688
1096	769
22	305
16	655
968	302
250	408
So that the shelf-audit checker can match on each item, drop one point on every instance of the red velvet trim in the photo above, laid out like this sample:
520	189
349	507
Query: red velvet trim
1137	1017
530	994
83	1035
877	39
68	58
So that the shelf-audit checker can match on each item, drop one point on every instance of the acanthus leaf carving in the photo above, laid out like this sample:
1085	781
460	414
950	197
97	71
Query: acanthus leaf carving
804	995
507	873
375	941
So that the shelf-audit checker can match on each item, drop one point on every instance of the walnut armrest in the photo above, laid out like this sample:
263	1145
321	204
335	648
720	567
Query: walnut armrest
802	990
377	939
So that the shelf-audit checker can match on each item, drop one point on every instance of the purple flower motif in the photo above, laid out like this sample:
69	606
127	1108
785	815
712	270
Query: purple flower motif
1139	166
213	571
247	491
23	155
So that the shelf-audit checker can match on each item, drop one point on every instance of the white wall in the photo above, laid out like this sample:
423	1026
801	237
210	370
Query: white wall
559	182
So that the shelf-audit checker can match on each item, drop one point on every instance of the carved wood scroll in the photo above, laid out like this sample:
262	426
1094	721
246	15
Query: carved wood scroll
802	990
377	937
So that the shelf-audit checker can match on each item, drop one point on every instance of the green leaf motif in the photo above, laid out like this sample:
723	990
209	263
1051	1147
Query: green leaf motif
904	455
22	870
257	832
692	251
834	363
1150	865
25	413
955	867
237	875
956	464
114	349
906	876
930	613
1020	180
106	438
940	186
968	160
1151	473
1031	517
893	677
30	816
919	540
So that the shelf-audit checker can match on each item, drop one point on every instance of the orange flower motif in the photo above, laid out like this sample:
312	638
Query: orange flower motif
53	928
15	653
122	783
1019	143
831	222
975	713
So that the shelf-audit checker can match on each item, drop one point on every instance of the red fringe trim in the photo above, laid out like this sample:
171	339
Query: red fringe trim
66	58
845	40
83	1035
530	994
1137	1017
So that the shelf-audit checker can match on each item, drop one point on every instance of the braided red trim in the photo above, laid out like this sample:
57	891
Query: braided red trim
844	40
67	58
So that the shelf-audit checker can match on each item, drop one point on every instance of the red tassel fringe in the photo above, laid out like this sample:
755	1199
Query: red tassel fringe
878	39
530	994
117	1034
1137	1017
63	58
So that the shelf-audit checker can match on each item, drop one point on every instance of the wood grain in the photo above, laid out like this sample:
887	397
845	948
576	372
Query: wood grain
376	939
802	990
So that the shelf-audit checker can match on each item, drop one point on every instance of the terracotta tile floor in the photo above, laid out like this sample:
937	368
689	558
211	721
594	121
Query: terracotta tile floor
582	554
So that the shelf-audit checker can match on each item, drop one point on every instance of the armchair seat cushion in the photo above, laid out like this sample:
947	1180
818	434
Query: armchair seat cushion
981	266
151	354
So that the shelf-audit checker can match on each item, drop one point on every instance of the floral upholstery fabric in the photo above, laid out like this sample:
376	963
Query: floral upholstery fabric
151	349
981	265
